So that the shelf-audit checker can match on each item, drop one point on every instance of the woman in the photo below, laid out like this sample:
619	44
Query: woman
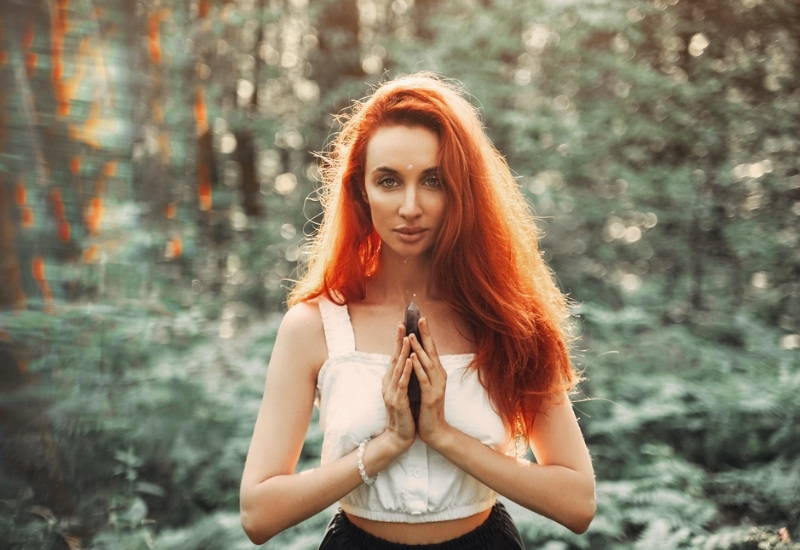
418	204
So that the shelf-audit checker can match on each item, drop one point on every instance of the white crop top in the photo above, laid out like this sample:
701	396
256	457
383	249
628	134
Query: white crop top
420	485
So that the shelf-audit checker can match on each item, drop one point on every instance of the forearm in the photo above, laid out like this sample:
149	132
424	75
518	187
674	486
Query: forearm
559	493
282	501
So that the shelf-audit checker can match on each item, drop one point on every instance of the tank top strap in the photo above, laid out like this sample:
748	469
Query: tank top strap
338	330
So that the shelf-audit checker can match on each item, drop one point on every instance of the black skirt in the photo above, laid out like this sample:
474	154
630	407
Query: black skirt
498	532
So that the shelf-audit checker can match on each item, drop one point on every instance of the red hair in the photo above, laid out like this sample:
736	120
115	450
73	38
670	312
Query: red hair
506	293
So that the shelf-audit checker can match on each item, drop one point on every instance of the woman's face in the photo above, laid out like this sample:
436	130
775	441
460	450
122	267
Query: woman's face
403	187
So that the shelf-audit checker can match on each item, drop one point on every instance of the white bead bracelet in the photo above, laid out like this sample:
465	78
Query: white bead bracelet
361	469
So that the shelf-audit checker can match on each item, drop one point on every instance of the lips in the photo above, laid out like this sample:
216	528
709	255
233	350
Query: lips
410	235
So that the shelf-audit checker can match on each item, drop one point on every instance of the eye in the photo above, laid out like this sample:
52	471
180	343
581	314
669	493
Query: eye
433	181
388	182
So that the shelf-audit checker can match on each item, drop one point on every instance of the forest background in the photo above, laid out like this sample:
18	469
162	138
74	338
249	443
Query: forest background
157	181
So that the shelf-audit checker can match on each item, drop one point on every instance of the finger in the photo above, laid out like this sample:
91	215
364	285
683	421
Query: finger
427	339
406	376
417	347
422	374
399	332
396	371
398	344
400	363
405	349
398	393
429	356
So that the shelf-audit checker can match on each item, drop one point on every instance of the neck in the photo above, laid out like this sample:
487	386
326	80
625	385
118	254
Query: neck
398	280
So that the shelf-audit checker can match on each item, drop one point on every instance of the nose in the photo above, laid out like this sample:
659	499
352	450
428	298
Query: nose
410	207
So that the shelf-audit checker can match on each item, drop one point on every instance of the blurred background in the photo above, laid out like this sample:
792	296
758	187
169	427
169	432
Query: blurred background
157	181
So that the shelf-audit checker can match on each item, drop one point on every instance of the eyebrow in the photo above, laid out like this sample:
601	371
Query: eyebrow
387	170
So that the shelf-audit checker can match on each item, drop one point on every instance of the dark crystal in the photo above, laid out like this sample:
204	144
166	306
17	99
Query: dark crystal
412	327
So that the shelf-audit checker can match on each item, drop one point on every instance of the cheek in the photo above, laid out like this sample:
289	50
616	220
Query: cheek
380	207
437	209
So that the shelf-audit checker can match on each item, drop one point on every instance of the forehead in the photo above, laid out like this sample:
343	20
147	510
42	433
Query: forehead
400	146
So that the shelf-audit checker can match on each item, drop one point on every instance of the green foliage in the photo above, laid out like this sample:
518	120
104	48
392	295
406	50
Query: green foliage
150	417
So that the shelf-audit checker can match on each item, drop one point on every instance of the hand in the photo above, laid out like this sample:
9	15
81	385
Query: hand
400	422
432	424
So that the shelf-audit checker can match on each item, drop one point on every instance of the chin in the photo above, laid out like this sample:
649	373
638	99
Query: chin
407	250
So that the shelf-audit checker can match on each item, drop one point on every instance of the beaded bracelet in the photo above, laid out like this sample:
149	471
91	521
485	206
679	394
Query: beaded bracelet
361	469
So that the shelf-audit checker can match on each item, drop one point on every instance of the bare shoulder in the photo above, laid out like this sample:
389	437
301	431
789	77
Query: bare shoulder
304	315
301	331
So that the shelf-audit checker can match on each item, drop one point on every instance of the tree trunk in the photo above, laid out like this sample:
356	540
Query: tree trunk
12	295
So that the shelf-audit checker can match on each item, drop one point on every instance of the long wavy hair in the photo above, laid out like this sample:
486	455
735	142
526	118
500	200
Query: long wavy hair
505	292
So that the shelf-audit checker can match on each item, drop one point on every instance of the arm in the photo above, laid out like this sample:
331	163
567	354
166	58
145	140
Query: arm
559	486
272	496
